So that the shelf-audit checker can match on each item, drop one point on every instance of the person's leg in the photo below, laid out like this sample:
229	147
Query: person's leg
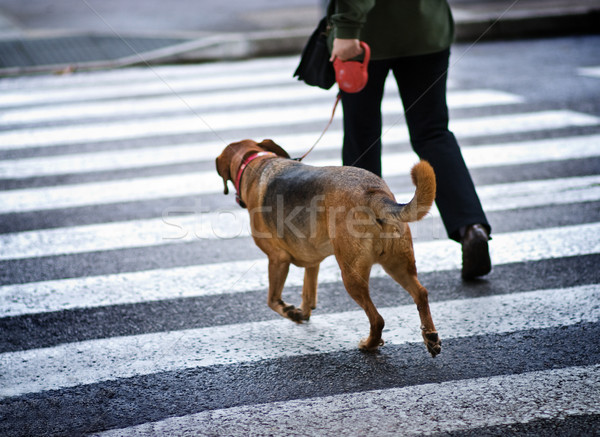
362	121
422	84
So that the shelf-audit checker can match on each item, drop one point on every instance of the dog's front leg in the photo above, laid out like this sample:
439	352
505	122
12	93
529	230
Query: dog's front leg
278	271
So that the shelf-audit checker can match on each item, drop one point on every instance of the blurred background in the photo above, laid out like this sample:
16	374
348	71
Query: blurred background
41	35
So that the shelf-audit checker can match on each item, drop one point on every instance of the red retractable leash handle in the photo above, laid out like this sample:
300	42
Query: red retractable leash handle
352	77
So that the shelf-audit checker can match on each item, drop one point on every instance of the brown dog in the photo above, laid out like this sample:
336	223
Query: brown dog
302	214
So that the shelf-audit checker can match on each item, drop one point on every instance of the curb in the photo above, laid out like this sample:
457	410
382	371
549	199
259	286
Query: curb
291	42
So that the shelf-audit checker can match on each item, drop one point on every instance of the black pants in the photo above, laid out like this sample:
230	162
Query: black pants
422	84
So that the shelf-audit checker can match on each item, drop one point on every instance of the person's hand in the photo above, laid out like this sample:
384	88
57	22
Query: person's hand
345	49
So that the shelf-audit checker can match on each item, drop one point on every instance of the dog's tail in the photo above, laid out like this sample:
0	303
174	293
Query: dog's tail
424	179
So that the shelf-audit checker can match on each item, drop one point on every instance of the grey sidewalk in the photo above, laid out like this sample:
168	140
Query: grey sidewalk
27	47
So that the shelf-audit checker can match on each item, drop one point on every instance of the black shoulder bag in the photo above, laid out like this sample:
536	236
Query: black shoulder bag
315	68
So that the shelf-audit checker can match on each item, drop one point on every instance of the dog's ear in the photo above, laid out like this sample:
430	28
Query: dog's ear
272	147
223	170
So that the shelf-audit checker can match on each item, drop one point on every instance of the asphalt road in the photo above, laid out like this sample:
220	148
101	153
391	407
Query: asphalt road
133	301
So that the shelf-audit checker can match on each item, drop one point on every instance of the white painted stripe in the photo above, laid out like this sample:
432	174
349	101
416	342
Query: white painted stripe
188	124
192	184
92	361
590	71
210	101
162	105
449	407
502	197
68	196
85	163
529	194
125	76
175	85
226	224
549	150
240	276
30	90
268	118
526	152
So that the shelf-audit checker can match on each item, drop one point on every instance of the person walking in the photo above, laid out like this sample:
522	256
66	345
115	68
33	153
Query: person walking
410	38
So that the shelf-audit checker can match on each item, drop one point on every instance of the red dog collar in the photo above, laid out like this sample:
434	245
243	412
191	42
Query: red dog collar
238	179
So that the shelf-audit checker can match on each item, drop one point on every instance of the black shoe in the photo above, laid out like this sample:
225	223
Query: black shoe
475	252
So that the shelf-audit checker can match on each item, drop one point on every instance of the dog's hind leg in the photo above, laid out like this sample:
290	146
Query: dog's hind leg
278	271
356	281
309	291
403	270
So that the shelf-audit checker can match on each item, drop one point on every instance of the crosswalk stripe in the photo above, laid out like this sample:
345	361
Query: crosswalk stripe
236	70
499	400
240	276
187	124
234	223
202	101
210	101
69	196
92	361
177	85
590	71
85	163
144	82
193	184
502	197
269	118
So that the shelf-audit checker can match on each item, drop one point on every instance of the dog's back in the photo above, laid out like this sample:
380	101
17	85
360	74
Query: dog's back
296	190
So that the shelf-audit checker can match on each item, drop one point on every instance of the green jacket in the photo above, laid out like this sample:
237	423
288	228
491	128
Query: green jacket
394	28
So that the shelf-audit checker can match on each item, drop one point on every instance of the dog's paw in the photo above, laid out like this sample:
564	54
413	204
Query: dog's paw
433	343
294	314
369	345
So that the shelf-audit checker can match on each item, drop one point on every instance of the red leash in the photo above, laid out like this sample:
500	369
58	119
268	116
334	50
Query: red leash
351	76
337	100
